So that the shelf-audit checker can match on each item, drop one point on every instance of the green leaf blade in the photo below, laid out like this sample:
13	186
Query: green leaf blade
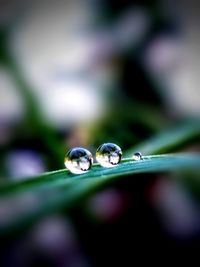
62	190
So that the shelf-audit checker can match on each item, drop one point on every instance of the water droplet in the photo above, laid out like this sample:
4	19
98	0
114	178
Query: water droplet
108	155
137	156
78	160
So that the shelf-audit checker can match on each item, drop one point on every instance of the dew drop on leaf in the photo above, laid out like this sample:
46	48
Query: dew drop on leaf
78	160
108	155
137	156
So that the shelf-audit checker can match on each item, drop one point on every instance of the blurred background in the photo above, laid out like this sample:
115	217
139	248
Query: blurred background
84	72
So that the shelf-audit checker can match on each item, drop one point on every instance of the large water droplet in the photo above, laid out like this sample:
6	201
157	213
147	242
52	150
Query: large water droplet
108	155
78	160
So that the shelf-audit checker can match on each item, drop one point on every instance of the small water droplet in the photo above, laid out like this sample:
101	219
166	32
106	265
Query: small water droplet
108	155
137	156
78	160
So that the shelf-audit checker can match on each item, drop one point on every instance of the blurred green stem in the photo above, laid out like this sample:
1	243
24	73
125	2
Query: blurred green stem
34	118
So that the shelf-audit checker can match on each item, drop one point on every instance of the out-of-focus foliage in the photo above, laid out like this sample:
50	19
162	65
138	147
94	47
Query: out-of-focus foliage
85	72
67	189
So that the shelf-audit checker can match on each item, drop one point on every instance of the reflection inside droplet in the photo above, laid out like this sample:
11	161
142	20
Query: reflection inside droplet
109	155
78	160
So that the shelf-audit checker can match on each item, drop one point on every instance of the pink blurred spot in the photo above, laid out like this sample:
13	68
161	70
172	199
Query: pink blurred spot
108	205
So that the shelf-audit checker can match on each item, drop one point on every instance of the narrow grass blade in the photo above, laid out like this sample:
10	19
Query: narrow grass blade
60	190
169	140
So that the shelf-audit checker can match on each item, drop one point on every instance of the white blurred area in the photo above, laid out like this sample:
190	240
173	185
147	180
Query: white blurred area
54	49
65	56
